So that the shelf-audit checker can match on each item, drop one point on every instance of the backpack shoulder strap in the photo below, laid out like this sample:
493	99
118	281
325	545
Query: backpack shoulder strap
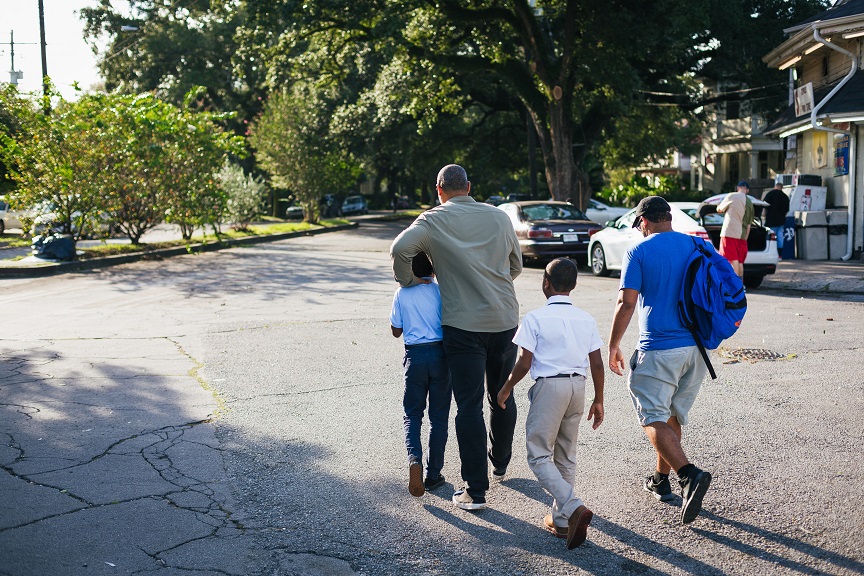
700	247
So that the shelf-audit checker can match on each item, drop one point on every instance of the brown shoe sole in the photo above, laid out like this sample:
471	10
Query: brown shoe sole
415	480
578	527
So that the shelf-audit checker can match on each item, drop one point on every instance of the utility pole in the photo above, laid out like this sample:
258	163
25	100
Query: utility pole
14	75
44	59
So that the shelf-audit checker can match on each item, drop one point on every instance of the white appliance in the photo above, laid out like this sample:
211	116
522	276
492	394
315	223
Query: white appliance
804	198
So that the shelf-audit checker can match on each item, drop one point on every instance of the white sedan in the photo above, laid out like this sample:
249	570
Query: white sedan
607	247
602	213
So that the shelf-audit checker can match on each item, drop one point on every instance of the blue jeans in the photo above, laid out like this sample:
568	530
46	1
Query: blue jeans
475	357
426	375
779	231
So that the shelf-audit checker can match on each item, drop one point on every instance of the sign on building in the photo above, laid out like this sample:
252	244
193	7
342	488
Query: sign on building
841	155
804	99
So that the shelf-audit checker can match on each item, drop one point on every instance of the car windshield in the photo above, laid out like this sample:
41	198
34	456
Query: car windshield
552	212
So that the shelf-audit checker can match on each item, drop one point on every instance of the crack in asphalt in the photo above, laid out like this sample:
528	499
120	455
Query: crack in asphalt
187	490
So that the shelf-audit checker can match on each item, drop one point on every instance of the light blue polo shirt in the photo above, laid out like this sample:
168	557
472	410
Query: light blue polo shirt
417	310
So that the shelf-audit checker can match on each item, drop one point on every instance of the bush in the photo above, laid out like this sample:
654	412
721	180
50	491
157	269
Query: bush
246	195
629	194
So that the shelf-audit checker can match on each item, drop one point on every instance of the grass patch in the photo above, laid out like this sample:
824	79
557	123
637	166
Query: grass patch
280	227
115	249
14	242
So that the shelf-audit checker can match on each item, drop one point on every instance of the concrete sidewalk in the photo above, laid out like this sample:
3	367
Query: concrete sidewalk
829	276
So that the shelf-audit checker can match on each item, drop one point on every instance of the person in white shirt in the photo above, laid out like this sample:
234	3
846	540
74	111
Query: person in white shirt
738	212
559	343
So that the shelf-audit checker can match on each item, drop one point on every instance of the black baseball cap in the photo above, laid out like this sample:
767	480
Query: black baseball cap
650	205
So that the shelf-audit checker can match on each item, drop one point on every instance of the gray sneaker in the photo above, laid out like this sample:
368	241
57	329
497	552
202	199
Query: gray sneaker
465	501
661	491
693	489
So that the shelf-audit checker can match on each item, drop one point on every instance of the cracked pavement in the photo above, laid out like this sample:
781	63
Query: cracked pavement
97	432
239	413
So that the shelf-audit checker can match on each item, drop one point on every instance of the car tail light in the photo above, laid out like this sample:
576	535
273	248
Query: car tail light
593	231
540	233
772	237
701	234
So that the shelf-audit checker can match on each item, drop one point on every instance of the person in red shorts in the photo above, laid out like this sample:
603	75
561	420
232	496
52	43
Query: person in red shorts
738	214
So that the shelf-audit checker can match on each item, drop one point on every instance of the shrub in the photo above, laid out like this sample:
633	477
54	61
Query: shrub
246	195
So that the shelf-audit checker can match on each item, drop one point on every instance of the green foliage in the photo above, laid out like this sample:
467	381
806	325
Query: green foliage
638	187
54	164
134	161
162	162
175	47
246	195
295	146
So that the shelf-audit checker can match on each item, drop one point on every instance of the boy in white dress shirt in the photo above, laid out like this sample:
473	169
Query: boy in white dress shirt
559	343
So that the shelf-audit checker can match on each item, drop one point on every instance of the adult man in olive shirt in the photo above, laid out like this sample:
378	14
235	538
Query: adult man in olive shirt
476	257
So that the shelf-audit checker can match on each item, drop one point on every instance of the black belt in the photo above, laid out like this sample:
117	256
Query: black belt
424	344
565	375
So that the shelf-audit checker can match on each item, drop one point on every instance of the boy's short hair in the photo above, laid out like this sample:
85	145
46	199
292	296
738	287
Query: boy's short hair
562	273
421	266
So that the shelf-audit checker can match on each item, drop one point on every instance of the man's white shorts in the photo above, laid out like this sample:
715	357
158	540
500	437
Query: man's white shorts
664	383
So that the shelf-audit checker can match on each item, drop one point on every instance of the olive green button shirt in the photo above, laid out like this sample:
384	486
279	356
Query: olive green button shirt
476	256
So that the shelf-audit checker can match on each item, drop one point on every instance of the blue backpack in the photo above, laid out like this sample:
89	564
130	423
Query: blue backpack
712	302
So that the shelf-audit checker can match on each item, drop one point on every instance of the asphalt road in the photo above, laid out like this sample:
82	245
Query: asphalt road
240	413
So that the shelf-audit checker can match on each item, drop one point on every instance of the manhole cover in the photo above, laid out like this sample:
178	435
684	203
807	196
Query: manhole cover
752	354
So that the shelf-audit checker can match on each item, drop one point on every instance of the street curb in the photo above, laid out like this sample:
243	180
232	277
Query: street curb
52	268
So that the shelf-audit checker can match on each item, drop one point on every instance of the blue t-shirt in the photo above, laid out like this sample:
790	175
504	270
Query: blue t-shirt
417	310
655	267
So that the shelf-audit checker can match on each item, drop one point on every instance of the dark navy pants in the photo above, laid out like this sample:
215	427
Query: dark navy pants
475	357
426	376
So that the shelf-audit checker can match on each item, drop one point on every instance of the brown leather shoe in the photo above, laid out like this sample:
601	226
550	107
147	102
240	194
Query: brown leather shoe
415	480
577	529
556	531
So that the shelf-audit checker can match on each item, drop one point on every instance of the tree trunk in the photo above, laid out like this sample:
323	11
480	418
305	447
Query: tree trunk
566	180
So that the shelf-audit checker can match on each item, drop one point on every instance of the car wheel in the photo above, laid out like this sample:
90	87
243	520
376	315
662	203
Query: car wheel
753	281
2	227
598	261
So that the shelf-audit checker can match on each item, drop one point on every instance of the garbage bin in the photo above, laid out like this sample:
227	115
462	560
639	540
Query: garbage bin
812	235
838	230
788	251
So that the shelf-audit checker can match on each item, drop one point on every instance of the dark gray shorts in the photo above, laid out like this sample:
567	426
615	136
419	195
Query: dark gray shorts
664	383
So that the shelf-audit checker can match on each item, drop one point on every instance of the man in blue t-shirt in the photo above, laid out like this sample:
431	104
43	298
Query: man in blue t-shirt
666	369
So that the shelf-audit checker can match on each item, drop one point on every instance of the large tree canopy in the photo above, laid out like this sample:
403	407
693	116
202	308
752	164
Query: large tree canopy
421	83
576	66
169	48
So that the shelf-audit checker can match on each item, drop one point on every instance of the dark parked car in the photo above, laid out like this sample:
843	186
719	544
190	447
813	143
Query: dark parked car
548	229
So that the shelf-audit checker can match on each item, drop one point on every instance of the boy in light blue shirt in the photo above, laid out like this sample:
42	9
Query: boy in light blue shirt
416	316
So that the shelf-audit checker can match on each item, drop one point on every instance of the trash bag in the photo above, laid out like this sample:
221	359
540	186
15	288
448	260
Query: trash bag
54	247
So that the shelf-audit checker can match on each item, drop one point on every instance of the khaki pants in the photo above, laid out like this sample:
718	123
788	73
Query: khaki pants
551	431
